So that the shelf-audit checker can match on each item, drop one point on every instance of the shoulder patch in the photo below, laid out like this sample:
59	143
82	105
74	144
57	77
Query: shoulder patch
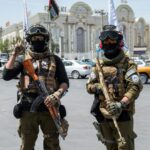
130	72
135	78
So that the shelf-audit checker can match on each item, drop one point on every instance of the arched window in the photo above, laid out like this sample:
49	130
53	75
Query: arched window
80	40
139	40
124	31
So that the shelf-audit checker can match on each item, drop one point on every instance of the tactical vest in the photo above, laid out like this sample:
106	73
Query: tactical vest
114	76
45	69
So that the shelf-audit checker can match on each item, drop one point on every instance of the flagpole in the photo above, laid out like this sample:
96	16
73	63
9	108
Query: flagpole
25	23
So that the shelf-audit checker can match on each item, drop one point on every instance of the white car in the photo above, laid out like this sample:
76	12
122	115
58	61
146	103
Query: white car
140	62
77	69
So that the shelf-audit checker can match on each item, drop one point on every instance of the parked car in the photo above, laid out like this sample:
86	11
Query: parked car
2	63
89	62
77	69
140	62
4	56
144	72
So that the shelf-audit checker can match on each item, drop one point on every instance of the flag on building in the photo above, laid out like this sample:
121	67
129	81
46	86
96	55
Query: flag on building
53	9
112	20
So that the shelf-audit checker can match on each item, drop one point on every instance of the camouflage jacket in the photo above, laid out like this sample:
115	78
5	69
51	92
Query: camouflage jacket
121	78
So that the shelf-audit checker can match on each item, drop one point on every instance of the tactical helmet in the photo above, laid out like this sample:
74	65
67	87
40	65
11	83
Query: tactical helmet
111	41
37	30
39	45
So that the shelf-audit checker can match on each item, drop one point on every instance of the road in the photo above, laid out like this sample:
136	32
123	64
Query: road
81	135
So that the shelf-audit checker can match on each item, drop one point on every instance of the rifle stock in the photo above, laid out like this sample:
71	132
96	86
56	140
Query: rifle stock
28	66
107	99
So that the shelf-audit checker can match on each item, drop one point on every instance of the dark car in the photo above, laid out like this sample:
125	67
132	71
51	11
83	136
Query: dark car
88	62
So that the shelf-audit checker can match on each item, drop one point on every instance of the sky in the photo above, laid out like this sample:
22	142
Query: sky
13	10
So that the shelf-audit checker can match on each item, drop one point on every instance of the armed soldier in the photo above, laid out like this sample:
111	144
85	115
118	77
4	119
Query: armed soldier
115	95
50	69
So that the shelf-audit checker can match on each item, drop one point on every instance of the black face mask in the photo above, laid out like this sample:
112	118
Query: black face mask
38	46
110	54
111	50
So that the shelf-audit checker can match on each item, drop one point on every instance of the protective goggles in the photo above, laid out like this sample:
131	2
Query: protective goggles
39	30
109	34
110	41
38	37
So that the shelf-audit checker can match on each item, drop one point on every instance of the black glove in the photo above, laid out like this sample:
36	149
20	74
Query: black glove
54	99
115	108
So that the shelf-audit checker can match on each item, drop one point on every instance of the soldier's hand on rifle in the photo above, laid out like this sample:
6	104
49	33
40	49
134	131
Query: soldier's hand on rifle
18	48
53	99
114	108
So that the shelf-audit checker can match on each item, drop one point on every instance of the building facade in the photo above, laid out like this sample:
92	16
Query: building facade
77	31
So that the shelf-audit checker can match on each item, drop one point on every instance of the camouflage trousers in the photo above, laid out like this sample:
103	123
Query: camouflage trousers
110	133
29	128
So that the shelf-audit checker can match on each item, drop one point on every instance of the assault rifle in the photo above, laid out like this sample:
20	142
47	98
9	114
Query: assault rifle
107	97
43	94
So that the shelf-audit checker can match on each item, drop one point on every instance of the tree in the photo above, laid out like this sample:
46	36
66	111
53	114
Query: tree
6	45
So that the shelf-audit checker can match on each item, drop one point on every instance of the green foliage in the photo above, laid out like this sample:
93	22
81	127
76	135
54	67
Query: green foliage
4	45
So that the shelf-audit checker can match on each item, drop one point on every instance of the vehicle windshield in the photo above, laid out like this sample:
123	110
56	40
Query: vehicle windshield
147	63
80	62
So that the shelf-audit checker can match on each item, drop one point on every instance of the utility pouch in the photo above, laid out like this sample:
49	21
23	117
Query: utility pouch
95	111
18	110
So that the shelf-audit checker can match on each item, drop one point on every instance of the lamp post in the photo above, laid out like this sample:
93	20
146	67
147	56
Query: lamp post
48	22
102	13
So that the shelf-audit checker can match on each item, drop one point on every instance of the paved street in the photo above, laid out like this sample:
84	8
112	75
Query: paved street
82	135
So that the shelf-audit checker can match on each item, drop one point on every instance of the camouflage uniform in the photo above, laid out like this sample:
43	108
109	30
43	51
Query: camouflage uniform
54	81
50	69
122	79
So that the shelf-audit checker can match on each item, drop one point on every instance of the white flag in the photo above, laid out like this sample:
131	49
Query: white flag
112	18
26	22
